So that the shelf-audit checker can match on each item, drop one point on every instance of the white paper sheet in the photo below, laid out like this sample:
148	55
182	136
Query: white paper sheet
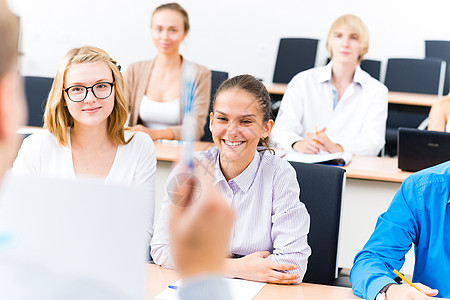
240	289
317	158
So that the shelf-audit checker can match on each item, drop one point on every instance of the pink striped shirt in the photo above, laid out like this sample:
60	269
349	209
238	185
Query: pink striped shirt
268	213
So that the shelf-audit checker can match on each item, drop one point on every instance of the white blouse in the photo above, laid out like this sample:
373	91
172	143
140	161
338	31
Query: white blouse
159	115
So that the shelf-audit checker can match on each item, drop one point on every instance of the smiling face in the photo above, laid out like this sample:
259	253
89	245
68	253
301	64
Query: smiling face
91	111
168	30
345	45
237	125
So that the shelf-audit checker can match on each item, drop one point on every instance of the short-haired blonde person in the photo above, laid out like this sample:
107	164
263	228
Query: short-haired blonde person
440	115
84	128
337	107
156	88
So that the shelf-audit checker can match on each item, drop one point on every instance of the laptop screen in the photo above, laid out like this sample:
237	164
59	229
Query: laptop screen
420	149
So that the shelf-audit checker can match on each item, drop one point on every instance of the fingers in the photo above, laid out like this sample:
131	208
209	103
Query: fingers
282	267
262	254
282	278
310	144
427	290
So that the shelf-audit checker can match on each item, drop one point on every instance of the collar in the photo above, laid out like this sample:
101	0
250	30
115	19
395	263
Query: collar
324	74
243	180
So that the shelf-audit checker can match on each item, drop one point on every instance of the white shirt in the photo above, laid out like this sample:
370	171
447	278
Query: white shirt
357	123
268	213
134	163
159	115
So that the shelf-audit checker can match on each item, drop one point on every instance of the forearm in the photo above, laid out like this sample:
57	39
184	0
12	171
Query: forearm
161	134
369	275
161	255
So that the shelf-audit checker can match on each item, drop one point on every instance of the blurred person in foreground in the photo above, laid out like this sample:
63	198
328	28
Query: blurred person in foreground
190	243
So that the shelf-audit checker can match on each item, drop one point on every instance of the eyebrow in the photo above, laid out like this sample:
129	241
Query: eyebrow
242	116
170	26
97	81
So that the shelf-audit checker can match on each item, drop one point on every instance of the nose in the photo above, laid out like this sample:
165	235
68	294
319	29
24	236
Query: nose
345	41
232	129
90	97
165	34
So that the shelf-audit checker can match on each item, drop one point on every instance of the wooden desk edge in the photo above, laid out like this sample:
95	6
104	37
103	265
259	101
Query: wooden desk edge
377	176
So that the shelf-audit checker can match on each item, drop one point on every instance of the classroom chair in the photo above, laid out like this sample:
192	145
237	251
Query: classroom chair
425	76
372	67
217	77
440	49
294	56
36	92
321	190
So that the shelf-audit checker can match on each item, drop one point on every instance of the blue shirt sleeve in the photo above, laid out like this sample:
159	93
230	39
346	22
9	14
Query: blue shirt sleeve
395	231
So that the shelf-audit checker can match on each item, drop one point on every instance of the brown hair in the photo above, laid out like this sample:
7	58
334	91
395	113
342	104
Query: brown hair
175	7
254	87
57	117
9	37
354	24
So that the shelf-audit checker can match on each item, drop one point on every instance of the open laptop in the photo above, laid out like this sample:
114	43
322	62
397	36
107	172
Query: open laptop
71	239
420	149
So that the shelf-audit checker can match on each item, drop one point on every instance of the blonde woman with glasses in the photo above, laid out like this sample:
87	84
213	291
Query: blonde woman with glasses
84	132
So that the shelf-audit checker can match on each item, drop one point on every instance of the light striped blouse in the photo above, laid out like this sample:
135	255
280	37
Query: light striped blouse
268	213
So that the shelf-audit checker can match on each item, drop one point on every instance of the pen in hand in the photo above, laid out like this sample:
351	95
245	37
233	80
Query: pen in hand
317	133
407	281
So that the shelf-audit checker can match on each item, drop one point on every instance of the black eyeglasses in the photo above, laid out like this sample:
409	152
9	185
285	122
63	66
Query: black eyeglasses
78	93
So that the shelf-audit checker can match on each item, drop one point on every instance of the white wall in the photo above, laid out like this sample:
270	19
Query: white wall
238	36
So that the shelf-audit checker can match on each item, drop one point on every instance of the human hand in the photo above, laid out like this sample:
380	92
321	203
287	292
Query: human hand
326	144
155	134
199	231
256	267
407	292
309	145
140	128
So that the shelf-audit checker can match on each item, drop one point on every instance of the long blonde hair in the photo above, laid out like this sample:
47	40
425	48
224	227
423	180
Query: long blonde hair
57	117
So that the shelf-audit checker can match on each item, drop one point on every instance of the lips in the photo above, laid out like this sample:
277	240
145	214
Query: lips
233	143
91	109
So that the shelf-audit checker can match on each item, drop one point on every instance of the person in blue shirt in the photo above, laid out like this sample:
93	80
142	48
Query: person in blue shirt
419	214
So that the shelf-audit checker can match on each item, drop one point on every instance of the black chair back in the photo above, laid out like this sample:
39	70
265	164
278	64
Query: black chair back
415	76
424	76
440	49
217	77
372	67
36	91
321	190
294	56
